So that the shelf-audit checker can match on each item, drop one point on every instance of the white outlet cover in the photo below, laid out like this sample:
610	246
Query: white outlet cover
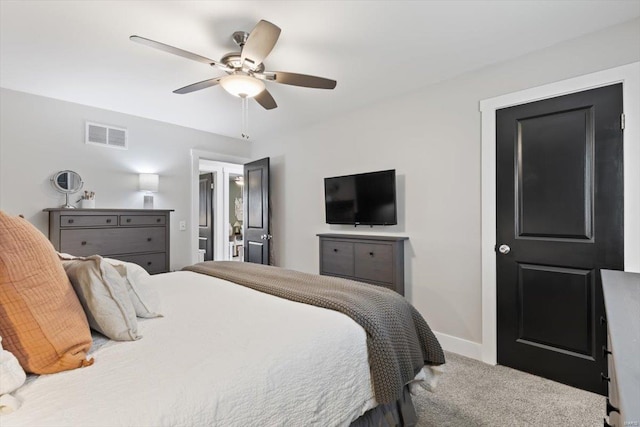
183	225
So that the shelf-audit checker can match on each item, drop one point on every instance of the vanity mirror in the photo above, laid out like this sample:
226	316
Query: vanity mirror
67	182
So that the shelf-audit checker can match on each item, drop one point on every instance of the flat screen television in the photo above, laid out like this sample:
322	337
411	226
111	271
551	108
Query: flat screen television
362	199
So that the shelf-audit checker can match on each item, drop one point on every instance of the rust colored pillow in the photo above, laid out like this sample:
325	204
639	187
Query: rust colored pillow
41	319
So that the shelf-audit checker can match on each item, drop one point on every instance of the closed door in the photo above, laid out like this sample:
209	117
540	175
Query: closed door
559	221
205	226
257	235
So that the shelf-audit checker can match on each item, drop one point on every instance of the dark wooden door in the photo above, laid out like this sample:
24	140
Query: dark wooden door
257	235
559	221
205	226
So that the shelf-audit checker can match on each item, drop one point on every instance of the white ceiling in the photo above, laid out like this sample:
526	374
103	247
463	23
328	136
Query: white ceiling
80	51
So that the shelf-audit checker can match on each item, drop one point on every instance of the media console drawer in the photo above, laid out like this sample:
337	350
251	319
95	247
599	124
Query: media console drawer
140	236
337	258
378	260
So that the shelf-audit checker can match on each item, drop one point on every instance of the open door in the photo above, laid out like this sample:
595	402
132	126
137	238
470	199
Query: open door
257	235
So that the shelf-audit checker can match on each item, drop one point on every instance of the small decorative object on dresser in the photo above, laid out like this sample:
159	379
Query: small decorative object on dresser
88	200
67	182
140	236
378	260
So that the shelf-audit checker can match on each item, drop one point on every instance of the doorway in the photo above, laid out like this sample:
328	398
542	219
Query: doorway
220	203
205	217
235	201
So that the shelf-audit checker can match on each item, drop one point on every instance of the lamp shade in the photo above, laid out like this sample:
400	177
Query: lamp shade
241	85
149	182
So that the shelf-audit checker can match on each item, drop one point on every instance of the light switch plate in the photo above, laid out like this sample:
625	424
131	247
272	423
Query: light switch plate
182	225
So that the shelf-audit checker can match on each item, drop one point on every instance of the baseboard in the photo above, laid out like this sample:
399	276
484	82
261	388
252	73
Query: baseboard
460	346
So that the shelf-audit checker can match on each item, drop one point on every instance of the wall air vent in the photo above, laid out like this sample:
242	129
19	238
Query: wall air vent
106	136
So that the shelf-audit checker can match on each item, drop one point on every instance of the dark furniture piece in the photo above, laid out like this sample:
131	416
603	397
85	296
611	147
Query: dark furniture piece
140	236
378	260
622	305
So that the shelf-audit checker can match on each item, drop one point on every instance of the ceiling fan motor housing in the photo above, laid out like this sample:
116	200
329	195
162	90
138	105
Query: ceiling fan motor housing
233	60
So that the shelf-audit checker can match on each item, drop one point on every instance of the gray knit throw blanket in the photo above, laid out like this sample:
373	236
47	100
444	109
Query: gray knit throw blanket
399	341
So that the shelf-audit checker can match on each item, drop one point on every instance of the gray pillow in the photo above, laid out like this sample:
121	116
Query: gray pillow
104	296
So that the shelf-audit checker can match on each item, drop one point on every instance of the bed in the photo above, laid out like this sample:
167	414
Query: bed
222	355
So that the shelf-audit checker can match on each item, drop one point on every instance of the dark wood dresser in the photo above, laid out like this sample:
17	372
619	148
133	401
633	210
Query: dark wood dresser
140	236
378	260
622	304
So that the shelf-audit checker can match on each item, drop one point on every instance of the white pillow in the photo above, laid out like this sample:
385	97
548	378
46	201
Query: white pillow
12	376
133	276
104	297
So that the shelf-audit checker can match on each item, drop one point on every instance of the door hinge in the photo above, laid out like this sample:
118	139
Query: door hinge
622	121
212	185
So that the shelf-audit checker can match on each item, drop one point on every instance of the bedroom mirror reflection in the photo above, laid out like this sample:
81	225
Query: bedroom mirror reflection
220	217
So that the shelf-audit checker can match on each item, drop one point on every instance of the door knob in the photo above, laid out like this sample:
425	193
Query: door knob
504	249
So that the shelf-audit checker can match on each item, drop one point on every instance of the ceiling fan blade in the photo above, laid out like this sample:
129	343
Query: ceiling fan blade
265	99
260	43
303	80
198	86
176	51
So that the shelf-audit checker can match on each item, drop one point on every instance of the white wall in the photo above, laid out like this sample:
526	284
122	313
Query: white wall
432	139
39	136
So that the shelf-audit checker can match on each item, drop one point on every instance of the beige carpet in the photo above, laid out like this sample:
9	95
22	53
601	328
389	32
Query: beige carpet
472	393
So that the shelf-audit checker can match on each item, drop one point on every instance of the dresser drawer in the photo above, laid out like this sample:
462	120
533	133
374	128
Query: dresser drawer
88	220
374	262
83	242
611	373
337	258
142	219
153	263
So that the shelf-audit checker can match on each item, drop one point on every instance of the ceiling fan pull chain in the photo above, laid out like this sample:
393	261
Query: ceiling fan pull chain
245	117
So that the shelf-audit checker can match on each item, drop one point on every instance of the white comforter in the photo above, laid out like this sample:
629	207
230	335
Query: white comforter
222	355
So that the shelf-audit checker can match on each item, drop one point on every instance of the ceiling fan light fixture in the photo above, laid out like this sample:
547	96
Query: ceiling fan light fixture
242	86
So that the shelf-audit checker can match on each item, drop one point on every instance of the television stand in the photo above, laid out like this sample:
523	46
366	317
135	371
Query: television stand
378	260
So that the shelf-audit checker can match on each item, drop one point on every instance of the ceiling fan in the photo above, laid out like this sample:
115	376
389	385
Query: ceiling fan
245	70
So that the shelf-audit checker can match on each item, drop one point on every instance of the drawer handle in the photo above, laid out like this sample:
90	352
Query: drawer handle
604	377
371	253
148	262
148	239
108	221
605	352
611	408
335	250
158	219
70	221
128	219
83	243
